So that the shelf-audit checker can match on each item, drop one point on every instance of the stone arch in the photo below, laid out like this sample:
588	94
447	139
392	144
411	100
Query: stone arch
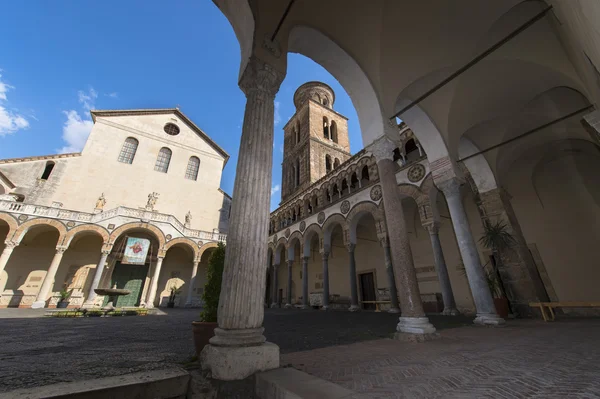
280	248
24	228
409	190
138	225
478	166
312	230
93	228
325	52
12	225
185	241
291	243
203	249
358	211
329	226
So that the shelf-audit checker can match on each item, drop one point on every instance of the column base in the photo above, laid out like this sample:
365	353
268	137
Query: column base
274	305
38	305
489	319
415	325
451	312
393	310
288	306
188	305
230	363
305	307
325	307
149	306
241	337
354	308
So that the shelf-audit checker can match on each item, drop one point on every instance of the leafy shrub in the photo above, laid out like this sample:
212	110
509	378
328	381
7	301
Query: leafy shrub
212	289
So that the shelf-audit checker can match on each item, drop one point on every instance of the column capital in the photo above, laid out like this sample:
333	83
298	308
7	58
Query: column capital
350	247
305	259
450	187
105	252
382	148
260	77
61	250
160	257
290	262
384	240
10	244
432	227
324	255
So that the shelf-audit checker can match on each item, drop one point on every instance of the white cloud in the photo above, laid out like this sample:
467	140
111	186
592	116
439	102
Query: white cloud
275	189
77	128
277	114
75	132
10	120
114	94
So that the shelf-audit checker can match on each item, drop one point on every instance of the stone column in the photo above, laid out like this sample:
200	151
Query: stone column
154	283
97	277
389	268
238	348
188	302
352	268
305	299
413	319
275	285
6	252
442	270
42	296
289	284
484	303
325	257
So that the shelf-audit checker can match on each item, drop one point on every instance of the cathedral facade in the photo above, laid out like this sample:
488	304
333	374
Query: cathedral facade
138	208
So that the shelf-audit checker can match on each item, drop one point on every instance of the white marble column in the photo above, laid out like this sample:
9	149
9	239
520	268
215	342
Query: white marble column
484	303
305	298
413	319
442	270
42	296
238	348
325	257
6	252
188	302
97	277
288	303
154	283
389	268
352	269
275	285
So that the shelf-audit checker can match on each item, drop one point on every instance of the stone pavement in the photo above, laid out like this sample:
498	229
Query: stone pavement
526	359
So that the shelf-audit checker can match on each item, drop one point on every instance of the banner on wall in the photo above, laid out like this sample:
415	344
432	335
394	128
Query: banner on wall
136	251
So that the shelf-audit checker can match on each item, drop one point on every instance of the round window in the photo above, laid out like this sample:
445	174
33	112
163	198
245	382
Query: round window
171	129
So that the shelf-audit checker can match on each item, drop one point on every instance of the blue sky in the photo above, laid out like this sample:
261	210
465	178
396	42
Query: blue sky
60	59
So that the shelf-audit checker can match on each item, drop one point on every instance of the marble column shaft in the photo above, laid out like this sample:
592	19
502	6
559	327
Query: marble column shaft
325	257
188	302
97	276
6	252
395	306
275	284
154	283
442	269
49	279
352	269
289	284
484	303
246	256
305	299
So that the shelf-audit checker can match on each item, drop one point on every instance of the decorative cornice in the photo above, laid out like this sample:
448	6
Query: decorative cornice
40	158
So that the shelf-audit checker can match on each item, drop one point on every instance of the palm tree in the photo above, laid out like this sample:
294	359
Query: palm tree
497	238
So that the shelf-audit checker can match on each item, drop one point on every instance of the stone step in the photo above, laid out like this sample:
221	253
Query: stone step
289	383
158	384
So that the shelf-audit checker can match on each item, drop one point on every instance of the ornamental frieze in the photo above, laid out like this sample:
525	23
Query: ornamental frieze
376	193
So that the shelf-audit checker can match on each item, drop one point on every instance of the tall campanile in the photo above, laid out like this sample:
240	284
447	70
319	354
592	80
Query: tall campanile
315	140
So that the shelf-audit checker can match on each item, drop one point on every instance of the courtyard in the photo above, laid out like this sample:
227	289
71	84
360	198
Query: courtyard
527	358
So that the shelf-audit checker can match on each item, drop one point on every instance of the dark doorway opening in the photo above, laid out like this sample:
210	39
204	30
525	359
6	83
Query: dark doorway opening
129	277
367	290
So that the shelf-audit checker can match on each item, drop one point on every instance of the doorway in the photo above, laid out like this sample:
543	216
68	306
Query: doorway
129	277
367	290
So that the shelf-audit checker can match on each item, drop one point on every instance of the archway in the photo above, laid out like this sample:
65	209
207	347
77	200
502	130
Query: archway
175	275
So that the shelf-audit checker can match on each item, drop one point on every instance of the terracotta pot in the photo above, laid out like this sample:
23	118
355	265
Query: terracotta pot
501	305
203	331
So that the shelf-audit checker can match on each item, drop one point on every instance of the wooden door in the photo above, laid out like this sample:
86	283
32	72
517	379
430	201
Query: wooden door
129	277
367	289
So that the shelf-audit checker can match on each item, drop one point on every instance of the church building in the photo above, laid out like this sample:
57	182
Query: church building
138	208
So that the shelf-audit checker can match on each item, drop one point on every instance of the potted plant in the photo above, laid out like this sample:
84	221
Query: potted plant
63	302
174	292
497	238
203	330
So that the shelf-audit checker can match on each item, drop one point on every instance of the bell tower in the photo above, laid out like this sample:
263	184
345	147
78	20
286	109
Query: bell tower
315	139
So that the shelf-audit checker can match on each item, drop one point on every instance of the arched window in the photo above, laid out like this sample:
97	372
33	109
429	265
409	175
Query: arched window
297	134
336	163
354	181
325	128
345	189
297	170
328	196
333	131
128	150
192	168
163	160
411	150
327	164
336	192
364	175
397	154
48	170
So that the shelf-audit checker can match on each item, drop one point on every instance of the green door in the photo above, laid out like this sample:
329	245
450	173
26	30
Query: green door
129	277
